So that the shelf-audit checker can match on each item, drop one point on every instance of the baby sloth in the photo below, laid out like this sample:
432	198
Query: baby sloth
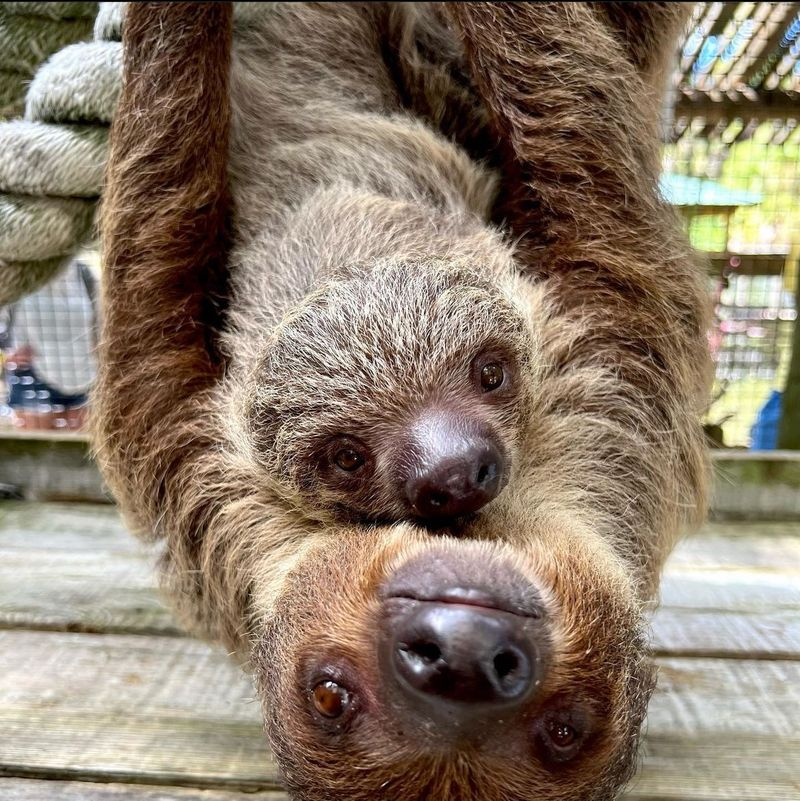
396	393
376	339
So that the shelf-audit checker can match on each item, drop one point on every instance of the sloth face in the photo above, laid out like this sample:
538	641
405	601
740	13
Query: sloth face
398	395
405	665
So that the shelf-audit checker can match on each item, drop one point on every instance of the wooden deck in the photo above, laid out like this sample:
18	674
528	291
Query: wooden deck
102	699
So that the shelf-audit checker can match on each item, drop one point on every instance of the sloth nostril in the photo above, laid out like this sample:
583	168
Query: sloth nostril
505	663
486	473
438	499
428	652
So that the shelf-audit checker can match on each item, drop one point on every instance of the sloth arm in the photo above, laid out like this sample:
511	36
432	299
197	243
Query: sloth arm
579	127
158	434
630	365
163	234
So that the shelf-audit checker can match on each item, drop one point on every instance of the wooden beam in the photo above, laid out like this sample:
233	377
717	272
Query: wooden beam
770	105
39	790
770	45
154	710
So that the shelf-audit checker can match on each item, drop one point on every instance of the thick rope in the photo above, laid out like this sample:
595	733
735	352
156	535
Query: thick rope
52	162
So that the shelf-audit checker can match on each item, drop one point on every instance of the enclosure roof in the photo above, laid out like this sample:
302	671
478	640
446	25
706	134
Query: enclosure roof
740	58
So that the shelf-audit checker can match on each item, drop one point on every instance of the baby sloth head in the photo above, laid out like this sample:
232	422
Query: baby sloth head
393	393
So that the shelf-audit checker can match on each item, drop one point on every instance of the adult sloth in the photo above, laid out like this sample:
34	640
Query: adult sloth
506	662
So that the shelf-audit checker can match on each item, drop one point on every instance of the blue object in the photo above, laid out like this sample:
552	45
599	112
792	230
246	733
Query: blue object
764	433
688	190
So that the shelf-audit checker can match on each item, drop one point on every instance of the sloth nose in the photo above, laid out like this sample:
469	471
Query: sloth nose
469	659
457	471
457	486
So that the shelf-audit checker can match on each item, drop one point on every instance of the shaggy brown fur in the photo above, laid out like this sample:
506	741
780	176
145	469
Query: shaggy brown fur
628	364
645	30
608	338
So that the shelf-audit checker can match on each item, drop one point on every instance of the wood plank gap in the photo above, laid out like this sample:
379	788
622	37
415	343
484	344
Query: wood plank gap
195	782
692	653
76	627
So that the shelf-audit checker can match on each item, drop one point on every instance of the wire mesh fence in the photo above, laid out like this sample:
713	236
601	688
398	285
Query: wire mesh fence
731	165
48	344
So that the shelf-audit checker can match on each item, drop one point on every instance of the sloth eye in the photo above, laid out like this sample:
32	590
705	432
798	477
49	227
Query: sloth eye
348	459
330	699
560	740
562	734
343	457
491	376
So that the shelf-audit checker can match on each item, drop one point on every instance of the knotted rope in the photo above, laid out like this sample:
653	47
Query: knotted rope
52	160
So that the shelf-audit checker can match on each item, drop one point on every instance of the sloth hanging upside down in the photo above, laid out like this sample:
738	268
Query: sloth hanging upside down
403	359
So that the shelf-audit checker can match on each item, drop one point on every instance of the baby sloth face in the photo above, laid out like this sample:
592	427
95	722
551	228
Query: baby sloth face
395	394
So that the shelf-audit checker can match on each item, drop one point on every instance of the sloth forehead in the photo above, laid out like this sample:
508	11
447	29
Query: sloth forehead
395	320
375	347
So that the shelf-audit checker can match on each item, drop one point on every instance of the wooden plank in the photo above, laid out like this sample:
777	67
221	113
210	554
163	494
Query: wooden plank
119	708
723	729
67	589
690	632
128	708
748	546
737	590
155	710
732	590
750	613
37	790
68	525
75	568
51	469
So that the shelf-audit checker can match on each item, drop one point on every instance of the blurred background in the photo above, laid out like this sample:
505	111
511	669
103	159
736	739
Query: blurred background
731	157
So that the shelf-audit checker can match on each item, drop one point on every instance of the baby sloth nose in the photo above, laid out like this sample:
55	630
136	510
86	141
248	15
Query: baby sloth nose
475	658
459	468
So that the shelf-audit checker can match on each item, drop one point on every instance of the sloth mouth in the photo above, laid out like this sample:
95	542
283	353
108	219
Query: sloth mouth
469	596
468	577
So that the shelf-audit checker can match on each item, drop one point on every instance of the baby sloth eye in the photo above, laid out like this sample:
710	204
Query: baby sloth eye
348	459
330	699
491	376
